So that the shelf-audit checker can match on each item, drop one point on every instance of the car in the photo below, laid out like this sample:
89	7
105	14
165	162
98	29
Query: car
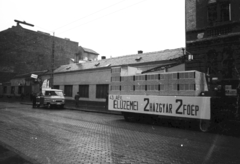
50	98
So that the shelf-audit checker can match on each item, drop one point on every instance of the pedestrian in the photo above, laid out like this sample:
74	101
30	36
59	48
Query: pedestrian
34	97
106	105
22	96
77	96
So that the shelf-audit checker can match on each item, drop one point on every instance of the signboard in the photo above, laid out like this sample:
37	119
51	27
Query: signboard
229	91
34	76
175	106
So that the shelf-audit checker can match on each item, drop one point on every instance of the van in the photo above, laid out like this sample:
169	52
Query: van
51	98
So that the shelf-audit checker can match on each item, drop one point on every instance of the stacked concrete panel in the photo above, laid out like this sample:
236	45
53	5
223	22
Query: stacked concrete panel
184	83
115	87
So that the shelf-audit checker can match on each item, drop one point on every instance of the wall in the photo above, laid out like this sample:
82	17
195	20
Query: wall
220	56
23	50
86	77
95	76
218	50
197	11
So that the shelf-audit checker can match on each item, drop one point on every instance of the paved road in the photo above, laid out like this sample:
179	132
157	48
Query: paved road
66	136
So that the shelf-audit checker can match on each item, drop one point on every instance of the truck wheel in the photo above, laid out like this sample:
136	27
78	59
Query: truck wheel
205	125
130	117
126	117
49	106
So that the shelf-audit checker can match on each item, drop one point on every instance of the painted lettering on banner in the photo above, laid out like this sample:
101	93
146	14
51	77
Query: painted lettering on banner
176	106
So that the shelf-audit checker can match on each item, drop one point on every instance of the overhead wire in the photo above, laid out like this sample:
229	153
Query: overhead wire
20	46
88	15
44	29
79	18
103	16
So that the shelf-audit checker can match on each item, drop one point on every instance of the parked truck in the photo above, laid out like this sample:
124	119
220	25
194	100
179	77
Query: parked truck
180	95
50	98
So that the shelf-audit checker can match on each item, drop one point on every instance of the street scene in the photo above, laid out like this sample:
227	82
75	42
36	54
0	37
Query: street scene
120	82
63	136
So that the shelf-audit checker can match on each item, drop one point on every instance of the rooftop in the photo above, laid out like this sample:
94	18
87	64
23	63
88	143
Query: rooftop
90	51
123	60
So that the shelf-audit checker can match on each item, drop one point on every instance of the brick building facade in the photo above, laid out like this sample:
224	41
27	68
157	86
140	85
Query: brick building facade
23	51
213	36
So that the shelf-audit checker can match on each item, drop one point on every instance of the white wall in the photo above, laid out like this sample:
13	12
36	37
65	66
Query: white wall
88	77
92	78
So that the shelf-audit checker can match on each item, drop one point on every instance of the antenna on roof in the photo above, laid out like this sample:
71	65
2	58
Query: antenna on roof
28	24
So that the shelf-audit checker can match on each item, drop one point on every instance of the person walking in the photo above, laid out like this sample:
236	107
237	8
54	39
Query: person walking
106	105
77	96
34	98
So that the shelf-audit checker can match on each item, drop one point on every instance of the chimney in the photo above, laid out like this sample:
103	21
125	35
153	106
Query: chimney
103	57
140	52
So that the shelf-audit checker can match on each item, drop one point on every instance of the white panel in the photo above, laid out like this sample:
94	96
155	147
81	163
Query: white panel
175	106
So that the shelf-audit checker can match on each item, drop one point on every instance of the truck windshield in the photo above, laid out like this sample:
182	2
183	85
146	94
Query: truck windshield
54	93
59	93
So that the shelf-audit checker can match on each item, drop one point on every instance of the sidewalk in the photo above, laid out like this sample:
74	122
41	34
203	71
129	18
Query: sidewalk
68	105
8	156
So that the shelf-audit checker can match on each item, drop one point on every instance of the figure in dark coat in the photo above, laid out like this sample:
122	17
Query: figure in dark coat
77	96
34	98
106	106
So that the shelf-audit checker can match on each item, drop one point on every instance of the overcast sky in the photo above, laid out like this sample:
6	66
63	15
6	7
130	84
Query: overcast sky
110	27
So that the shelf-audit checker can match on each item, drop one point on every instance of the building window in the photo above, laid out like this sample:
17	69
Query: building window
84	91
212	13
56	87
219	12
68	90
102	91
225	11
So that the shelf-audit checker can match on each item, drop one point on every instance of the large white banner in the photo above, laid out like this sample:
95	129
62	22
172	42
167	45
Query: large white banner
175	106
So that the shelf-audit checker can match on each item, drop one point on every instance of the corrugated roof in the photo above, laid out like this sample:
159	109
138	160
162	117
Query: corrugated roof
123	60
90	50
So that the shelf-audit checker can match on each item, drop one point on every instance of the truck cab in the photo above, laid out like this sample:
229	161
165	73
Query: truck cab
51	98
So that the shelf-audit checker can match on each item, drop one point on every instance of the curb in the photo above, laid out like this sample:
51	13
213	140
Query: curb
95	111
83	109
14	156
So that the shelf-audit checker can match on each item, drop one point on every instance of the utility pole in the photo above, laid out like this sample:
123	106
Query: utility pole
52	60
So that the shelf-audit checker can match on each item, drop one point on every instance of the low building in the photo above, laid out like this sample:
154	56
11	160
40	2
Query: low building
92	78
22	85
